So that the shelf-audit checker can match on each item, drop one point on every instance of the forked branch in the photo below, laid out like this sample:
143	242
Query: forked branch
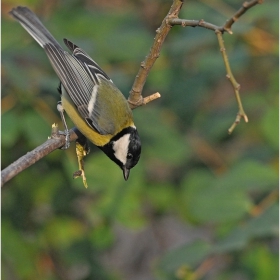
219	30
135	96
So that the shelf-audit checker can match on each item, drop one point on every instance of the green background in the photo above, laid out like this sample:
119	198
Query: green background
200	204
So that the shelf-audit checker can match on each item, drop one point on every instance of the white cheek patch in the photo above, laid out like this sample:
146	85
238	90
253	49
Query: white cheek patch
121	148
92	99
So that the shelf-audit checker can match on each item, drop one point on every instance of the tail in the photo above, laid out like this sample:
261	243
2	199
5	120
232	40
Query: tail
33	26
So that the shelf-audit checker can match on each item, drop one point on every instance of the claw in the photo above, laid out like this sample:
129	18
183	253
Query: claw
67	139
81	153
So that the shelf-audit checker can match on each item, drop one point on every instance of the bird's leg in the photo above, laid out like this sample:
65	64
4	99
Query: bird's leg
67	134
82	149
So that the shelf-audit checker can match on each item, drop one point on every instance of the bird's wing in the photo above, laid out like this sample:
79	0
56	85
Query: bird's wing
81	77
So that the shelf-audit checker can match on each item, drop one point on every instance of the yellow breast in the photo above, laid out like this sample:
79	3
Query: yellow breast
89	133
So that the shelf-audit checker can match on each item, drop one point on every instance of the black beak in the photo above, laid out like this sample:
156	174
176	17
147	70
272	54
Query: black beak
125	173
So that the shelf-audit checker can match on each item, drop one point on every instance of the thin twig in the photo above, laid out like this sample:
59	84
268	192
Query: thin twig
195	23
266	202
56	141
236	86
245	7
151	98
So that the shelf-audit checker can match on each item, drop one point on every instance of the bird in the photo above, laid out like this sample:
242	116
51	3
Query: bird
89	97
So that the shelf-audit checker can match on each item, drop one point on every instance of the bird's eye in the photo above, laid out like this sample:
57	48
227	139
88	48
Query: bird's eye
129	156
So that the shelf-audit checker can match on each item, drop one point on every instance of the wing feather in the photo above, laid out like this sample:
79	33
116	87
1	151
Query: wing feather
81	78
70	72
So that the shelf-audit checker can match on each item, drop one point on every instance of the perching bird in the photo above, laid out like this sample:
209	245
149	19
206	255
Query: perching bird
89	97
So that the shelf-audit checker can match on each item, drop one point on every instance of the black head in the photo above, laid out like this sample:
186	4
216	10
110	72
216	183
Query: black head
124	149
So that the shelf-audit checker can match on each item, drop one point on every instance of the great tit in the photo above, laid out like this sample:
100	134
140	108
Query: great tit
89	97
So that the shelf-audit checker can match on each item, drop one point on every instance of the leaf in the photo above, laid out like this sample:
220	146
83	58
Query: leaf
249	175
188	255
261	262
264	225
236	240
208	202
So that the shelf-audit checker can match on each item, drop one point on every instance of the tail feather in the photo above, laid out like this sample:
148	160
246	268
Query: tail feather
33	26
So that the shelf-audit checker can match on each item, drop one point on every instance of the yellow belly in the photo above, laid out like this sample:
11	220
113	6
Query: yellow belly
89	133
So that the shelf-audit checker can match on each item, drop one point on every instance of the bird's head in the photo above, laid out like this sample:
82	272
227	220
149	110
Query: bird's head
124	149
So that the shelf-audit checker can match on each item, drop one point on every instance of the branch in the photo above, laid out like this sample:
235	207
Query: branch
56	141
219	30
224	28
135	95
195	23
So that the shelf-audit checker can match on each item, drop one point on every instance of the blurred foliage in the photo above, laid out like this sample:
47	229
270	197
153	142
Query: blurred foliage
53	228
